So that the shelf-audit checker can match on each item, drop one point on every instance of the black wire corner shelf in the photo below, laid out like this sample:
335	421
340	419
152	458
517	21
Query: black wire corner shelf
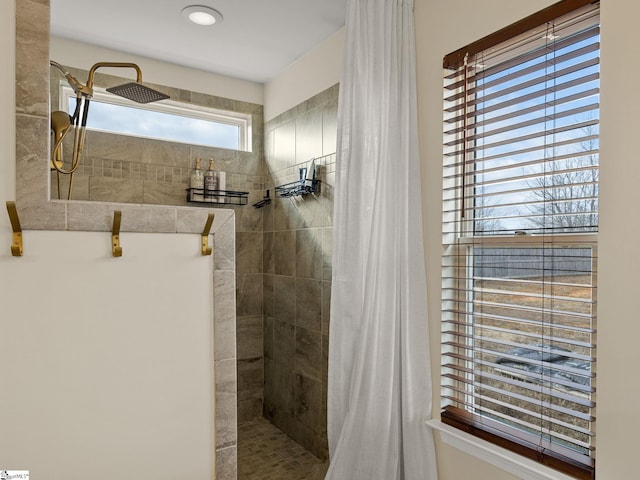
299	187
219	197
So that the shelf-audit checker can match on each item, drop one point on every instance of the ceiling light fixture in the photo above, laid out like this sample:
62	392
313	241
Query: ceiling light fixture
201	15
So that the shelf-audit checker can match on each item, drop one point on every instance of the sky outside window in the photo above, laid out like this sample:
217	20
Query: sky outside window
161	125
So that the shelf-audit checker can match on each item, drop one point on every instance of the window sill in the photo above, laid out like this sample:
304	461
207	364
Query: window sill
499	457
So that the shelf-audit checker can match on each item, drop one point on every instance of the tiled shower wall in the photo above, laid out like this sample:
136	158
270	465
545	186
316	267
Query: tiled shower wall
128	169
283	251
297	240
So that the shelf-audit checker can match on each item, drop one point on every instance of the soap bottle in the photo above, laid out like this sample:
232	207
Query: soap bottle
222	186
196	183
210	183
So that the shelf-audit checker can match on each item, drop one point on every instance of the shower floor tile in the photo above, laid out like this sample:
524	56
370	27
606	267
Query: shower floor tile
265	453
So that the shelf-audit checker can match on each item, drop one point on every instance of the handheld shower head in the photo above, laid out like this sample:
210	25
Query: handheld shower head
137	92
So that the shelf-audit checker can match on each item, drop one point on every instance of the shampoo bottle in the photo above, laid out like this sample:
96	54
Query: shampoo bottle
196	183
222	186
210	184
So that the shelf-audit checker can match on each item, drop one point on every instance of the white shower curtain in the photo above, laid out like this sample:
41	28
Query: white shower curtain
379	393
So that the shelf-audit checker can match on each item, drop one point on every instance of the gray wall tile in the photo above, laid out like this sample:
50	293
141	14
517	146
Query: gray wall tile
309	303
249	294
225	314
226	400
250	379
308	360
326	306
309	253
301	280
284	253
249	252
267	253
284	343
249	337
227	463
307	394
284	298
267	295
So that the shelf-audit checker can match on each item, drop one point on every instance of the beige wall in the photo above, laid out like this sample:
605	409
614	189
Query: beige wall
83	56
309	75
619	263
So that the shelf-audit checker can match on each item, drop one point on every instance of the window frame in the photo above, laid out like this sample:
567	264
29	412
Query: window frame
460	240
242	121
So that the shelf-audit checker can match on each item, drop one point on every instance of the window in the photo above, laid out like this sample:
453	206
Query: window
520	221
167	120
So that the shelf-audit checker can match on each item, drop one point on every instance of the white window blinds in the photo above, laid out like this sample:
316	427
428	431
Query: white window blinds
520	216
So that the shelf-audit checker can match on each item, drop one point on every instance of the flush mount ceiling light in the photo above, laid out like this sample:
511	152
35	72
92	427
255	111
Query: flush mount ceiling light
201	15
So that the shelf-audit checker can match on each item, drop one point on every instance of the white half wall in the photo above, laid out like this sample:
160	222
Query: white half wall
106	364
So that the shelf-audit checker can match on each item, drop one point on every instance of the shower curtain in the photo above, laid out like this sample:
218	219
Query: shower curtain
379	392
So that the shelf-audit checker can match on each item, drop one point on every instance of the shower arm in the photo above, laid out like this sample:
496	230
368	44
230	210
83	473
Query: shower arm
87	90
114	65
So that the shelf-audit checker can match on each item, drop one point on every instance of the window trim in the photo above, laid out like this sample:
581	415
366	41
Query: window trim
524	468
227	117
455	59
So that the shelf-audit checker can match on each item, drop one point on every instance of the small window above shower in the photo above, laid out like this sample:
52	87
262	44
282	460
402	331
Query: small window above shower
165	120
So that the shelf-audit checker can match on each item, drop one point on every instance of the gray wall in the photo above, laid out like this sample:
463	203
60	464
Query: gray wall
297	271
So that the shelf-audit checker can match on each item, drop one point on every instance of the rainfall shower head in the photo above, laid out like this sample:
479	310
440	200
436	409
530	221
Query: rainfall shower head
137	92
134	90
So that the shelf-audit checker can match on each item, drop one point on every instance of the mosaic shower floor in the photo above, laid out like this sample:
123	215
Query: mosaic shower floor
265	453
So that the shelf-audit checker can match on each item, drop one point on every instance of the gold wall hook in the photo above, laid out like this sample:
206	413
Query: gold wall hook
16	247
206	249
115	234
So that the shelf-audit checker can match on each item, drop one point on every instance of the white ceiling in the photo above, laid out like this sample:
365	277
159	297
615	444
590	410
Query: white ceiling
256	40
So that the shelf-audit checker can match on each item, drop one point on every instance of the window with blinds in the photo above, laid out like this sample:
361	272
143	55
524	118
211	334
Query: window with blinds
520	218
